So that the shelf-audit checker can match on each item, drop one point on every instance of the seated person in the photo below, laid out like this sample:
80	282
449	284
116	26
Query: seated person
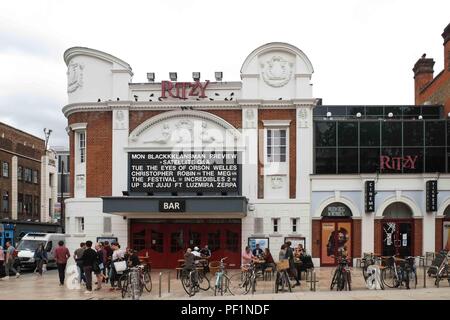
205	252
257	252
247	256
133	258
269	262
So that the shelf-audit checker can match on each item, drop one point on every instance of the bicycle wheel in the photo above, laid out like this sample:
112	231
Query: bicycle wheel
412	279
239	284
203	281
218	284
186	282
341	281
147	280
334	280
288	282
388	277
348	280
123	285
277	282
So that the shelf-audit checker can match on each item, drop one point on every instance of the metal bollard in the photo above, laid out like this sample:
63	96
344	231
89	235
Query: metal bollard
315	281
311	281
424	276
168	282
160	277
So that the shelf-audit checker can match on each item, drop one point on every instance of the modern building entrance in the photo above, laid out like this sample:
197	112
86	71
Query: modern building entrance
397	230
336	233
165	241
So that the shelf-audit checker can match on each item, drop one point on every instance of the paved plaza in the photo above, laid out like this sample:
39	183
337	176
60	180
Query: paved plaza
29	286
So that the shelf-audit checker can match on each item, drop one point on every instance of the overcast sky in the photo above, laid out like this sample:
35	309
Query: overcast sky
362	51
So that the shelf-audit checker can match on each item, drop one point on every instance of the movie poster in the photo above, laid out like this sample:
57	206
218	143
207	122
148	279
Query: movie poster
446	235
327	243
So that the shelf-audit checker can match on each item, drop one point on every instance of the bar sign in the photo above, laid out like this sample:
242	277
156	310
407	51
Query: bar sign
370	196
431	196
172	206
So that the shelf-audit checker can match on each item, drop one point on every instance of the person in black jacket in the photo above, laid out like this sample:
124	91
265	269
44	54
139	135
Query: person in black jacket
290	256
89	258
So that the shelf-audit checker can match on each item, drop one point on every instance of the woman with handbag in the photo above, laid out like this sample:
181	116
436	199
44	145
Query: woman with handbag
40	257
99	266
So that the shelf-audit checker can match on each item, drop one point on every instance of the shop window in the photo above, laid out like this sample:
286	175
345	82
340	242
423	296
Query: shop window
5	201
391	133
325	160
276	145
434	159
369	133
214	241
107	227
347	134
232	241
157	241
325	133
19	173
413	133
434	133
369	160
5	169
79	222
176	241
275	224
347	160
139	240
295	224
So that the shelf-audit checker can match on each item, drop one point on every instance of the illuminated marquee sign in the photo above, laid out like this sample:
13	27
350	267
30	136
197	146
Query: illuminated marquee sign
183	90
398	163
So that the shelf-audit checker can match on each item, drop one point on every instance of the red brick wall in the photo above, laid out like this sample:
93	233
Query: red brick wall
98	152
418	237
439	225
377	237
315	239
357	238
275	114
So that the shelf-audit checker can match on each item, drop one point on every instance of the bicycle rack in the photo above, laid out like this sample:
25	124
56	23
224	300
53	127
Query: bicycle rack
160	283
313	279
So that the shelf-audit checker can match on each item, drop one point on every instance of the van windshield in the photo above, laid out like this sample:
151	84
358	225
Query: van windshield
30	245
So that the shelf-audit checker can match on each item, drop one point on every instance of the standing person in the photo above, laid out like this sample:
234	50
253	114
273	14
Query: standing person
78	256
9	260
108	258
89	259
2	263
118	255
62	254
290	256
282	253
133	258
99	266
40	256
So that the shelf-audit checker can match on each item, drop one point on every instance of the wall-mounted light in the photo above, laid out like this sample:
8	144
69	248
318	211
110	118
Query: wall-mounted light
173	76
358	115
420	117
328	114
390	114
196	76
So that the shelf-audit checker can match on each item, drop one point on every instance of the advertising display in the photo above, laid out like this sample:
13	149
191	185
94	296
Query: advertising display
446	235
263	243
184	172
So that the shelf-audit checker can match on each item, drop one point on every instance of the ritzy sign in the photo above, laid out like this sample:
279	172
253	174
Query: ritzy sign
398	163
183	90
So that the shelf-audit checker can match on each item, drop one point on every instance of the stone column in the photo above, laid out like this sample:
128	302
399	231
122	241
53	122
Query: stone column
119	155
13	195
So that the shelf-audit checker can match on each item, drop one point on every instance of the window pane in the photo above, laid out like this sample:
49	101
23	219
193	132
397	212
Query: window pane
347	133
396	112
435	159
413	160
391	133
369	133
374	112
413	133
434	133
352	111
325	134
325	160
347	160
369	160
390	160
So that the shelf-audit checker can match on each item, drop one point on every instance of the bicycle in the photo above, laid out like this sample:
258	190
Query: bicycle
282	277
222	283
193	281
342	276
244	281
144	280
393	276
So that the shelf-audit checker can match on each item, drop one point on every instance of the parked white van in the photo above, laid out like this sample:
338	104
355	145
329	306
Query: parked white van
29	243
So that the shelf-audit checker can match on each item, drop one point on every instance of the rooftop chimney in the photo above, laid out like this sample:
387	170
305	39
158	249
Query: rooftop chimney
446	36
423	74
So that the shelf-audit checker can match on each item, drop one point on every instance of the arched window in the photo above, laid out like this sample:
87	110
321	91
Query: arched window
398	210
336	209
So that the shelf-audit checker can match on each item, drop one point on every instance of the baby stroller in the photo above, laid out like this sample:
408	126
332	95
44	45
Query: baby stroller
439	268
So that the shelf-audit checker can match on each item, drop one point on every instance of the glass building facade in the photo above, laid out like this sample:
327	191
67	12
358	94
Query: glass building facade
384	139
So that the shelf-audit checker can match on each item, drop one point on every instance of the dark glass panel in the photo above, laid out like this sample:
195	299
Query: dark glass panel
325	160
374	112
391	133
325	133
337	110
431	112
413	133
411	112
369	160
320	111
347	133
352	111
434	133
435	159
396	112
369	133
412	160
390	160
347	160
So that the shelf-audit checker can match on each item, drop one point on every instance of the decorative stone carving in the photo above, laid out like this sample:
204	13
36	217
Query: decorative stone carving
120	122
250	121
184	131
164	137
74	76
81	181
277	72
276	182
303	118
207	136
